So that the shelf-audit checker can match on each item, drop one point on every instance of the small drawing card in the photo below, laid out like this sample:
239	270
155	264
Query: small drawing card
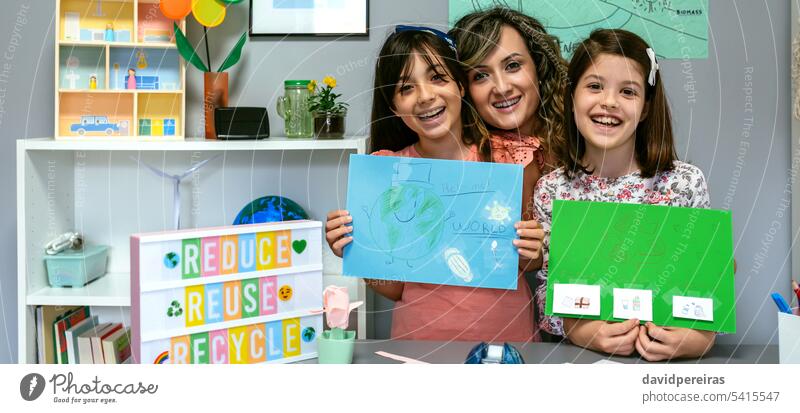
694	308
631	303
576	299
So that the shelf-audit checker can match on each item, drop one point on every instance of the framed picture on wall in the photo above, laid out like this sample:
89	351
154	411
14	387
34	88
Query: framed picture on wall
309	17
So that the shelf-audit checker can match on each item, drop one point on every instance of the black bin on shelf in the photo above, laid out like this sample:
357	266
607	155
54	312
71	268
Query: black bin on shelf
241	123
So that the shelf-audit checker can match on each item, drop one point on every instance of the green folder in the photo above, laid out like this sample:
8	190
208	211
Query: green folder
672	251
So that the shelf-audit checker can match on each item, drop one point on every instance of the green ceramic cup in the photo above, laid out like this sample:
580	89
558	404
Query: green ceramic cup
336	351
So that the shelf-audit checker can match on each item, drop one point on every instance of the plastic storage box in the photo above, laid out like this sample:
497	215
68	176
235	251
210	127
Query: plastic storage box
76	268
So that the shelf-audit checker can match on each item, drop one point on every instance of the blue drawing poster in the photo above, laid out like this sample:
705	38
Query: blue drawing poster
433	221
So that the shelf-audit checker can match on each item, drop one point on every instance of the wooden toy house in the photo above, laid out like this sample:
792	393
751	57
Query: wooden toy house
118	73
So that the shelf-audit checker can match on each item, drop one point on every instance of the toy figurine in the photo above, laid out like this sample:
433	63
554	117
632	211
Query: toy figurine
72	78
131	78
93	82
109	36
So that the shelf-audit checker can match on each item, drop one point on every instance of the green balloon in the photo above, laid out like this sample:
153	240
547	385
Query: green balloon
231	1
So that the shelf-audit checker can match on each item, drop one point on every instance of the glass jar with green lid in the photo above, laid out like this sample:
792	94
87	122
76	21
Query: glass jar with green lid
293	108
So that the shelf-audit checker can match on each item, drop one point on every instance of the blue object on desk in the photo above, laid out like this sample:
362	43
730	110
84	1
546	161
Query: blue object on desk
493	354
76	268
783	306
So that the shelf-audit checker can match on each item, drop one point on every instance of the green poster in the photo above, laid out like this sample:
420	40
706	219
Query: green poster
669	265
676	29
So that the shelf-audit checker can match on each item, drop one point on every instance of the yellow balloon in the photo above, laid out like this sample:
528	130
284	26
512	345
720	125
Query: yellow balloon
209	13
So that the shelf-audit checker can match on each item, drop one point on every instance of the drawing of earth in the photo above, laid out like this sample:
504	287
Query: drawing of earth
407	222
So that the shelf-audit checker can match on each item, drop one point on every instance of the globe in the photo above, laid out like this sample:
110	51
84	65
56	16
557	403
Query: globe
171	260
270	208
407	221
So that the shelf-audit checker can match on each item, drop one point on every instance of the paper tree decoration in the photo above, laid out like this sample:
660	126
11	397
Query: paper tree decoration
209	13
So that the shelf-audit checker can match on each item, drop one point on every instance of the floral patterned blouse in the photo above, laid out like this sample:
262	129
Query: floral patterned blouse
683	186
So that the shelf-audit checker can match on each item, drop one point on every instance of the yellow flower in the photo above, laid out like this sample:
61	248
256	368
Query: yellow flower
330	81
312	86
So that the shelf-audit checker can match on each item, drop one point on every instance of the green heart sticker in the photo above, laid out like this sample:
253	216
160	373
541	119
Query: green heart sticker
299	246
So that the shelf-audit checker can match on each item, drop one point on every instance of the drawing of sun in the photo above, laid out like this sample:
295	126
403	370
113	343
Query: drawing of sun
498	213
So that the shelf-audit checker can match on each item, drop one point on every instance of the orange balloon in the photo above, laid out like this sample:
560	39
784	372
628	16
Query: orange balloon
175	9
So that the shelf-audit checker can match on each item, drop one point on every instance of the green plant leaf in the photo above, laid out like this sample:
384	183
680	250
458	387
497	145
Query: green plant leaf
187	51
234	55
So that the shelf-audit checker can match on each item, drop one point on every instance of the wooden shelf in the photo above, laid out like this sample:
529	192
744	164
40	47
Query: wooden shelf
113	289
166	92
117	143
99	43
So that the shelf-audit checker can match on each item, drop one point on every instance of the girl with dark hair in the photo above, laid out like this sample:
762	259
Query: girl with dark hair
421	109
618	147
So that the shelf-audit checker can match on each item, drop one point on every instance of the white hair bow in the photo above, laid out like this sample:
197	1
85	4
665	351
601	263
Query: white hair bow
651	79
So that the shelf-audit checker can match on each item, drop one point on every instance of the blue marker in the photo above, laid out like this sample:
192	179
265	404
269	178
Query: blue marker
781	303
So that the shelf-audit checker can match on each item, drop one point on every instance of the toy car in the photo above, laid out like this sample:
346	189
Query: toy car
94	124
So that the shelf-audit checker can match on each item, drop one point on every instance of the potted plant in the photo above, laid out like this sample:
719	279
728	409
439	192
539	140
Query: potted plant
335	346
328	113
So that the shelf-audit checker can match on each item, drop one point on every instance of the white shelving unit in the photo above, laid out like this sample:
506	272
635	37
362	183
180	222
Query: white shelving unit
50	191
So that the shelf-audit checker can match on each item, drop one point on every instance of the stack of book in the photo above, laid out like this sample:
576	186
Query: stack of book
79	338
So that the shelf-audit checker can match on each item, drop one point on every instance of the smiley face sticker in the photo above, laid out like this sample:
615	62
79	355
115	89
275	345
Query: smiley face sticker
285	293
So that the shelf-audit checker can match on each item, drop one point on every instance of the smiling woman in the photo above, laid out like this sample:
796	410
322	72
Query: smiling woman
516	74
516	80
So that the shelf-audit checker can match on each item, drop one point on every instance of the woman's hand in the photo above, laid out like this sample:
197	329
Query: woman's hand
656	343
337	232
605	336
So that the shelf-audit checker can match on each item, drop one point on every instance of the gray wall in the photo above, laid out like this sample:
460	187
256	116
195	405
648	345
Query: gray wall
747	174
